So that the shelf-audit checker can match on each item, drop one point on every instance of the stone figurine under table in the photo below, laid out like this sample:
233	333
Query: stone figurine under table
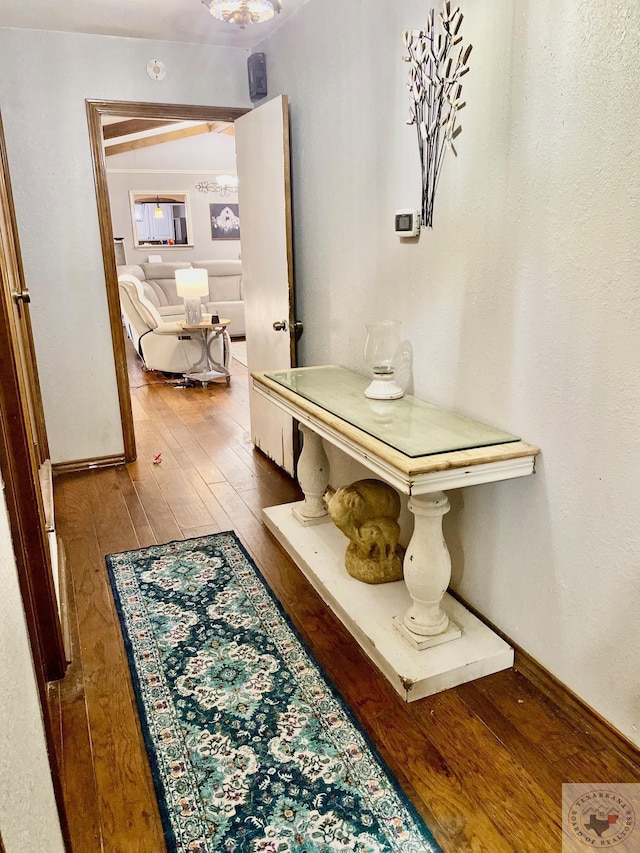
367	512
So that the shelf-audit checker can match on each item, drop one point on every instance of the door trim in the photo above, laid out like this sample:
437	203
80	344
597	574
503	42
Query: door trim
130	109
19	463
19	467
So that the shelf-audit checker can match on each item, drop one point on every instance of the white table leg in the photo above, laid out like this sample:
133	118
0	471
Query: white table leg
226	343
313	477
201	340
214	366
427	566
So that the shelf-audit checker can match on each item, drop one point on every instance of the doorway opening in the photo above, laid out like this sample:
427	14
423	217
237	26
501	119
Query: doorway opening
97	111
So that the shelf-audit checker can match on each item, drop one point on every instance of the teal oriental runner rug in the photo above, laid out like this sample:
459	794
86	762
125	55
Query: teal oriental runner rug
251	749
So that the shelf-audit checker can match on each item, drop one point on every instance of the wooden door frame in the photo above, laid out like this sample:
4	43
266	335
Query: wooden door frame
19	464
18	459
130	109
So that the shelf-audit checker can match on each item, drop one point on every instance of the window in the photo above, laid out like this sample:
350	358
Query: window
161	219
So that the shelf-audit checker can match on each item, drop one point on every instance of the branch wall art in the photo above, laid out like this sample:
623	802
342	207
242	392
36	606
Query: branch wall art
438	60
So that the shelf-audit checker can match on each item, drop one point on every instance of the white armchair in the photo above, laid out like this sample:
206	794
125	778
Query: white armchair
160	344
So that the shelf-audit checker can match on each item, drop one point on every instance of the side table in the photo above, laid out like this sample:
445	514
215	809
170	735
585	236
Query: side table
206	369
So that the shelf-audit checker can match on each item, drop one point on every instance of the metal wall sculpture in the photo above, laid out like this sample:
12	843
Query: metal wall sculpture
438	60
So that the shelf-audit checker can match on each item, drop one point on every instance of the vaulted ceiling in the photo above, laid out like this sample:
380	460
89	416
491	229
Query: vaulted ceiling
128	134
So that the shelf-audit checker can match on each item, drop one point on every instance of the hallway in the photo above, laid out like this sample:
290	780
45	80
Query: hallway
482	763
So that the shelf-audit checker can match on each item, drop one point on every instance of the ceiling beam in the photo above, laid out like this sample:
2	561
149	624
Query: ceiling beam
133	125
159	139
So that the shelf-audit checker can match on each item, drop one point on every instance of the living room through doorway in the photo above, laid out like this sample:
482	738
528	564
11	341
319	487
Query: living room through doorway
103	115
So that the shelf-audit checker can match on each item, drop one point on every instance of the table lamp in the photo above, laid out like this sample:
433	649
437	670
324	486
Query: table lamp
191	284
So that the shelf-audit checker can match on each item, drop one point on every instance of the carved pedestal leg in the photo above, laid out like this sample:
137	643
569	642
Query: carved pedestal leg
427	568
313	476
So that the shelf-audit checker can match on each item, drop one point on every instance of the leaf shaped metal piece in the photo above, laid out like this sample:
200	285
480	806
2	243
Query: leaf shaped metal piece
438	58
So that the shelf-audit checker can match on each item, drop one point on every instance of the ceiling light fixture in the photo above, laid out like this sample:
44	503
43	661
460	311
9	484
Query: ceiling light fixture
158	213
243	12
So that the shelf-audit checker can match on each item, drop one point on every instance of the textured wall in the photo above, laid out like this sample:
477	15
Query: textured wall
44	81
28	814
521	304
177	165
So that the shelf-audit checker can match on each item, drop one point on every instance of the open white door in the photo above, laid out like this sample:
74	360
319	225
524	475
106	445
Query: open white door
264	196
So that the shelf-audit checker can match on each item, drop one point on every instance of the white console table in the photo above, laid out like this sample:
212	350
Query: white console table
422	639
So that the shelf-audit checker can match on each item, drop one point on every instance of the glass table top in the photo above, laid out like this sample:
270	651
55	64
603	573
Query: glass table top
409	425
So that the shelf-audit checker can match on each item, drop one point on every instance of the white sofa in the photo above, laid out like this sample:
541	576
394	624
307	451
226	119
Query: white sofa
159	341
225	290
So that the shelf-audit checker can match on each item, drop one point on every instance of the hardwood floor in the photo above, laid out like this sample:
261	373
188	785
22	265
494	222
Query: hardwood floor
483	763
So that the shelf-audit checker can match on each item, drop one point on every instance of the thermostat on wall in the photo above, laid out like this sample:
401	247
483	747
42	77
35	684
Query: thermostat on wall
407	222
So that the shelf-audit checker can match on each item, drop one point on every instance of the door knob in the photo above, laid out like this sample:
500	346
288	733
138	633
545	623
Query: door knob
280	326
298	329
21	296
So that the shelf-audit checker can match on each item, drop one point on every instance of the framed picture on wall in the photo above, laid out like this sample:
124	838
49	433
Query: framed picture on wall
225	222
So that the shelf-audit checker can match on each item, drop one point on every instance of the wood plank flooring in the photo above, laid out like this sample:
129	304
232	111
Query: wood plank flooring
483	763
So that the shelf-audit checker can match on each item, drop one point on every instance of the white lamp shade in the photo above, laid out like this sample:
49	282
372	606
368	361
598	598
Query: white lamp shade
192	282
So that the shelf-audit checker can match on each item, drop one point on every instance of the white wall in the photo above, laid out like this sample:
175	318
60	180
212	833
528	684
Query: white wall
521	304
44	80
180	165
28	814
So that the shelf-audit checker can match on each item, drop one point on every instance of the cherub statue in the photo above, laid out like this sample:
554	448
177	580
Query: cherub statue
367	513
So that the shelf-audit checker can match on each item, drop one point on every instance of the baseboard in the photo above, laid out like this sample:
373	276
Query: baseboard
87	464
563	695
559	692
